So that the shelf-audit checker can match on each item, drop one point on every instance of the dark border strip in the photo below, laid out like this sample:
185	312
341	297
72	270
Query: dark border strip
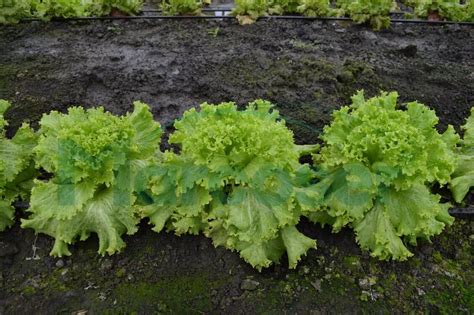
212	17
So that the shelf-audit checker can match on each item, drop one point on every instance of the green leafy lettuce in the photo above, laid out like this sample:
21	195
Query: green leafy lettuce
129	7
314	8
248	11
279	7
374	12
11	11
376	163
94	157
446	9
179	7
16	167
238	179
46	9
468	11
463	177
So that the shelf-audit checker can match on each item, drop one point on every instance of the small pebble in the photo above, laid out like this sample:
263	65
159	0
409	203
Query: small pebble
317	285
60	263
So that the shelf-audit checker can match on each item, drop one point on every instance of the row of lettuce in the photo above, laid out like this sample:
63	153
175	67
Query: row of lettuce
12	11
238	177
374	12
377	13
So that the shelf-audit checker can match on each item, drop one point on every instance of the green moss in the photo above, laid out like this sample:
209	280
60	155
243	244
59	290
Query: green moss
120	273
437	257
452	297
54	283
178	294
352	263
29	290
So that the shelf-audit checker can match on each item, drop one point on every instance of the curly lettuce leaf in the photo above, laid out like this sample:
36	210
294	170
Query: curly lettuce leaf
374	12
229	140
16	167
314	8
180	7
397	215
262	255
248	11
7	213
48	9
401	147
64	8
279	7
94	158
376	234
103	214
177	200
463	177
4	105
96	134
252	214
348	194
296	244
12	11
129	7
452	10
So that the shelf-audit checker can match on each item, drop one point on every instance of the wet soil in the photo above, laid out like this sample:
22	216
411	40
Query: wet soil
307	68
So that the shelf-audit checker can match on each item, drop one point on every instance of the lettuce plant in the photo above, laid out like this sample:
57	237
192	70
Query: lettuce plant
93	157
314	8
463	177
279	7
248	11
63	8
447	9
238	179
11	11
47	9
129	7
16	167
468	10
374	12
376	164
179	7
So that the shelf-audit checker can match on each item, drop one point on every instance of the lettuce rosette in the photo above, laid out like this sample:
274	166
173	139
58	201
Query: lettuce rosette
237	178
93	158
376	167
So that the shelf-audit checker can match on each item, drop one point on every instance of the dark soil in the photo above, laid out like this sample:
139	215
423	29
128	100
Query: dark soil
308	69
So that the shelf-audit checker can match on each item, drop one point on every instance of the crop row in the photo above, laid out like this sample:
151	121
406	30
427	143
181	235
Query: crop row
374	12
237	177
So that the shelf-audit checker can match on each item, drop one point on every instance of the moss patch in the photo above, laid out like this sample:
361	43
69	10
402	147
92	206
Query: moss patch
179	294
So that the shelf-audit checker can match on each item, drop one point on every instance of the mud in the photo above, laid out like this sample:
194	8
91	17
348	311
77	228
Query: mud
307	69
